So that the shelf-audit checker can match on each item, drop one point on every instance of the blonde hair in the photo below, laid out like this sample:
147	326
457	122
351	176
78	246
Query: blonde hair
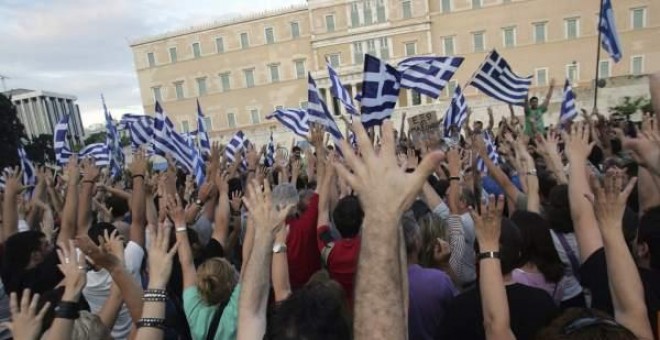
215	280
89	326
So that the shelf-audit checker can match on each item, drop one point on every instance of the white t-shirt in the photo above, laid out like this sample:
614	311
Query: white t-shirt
97	290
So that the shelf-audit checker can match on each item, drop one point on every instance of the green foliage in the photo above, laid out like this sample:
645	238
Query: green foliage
40	149
11	133
98	137
629	105
124	141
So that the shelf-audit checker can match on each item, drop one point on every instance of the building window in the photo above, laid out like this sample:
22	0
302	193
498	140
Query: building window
295	30
384	49
478	41
224	82
300	69
333	59
638	18
448	45
231	120
358	54
637	65
541	76
197	51
446	6
476	3
367	12
274	73
178	89
355	14
201	86
254	115
185	126
380	11
158	96
219	45
509	34
411	49
416	98
573	72
270	36
245	40
330	23
539	32
407	9
304	105
208	124
173	54
451	87
151	59
604	69
572	27
371	47
249	77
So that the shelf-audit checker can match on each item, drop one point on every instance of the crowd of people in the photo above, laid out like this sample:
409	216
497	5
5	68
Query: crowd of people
394	238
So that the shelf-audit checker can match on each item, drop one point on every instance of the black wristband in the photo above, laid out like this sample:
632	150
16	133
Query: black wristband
409	170
151	323
134	176
67	310
454	178
488	255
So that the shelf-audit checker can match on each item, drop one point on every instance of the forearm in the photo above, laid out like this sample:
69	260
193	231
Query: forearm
186	257
33	216
254	290
55	199
557	167
379	309
192	212
221	220
68	225
138	211
533	198
110	310
280	272
500	177
493	299
119	193
62	328
131	292
647	190
429	195
582	213
151	211
84	208
9	215
155	310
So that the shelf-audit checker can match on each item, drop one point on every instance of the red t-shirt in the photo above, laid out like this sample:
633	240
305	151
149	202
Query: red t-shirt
342	260
303	255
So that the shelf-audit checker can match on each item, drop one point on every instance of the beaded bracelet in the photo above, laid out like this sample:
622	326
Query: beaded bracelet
150	323
154	295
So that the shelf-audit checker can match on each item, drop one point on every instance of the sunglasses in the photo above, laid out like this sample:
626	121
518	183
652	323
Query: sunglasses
587	322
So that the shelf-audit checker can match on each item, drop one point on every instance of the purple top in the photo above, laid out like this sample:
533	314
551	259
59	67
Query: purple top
537	280
430	291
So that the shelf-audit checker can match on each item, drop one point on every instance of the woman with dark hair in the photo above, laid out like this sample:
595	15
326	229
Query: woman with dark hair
540	265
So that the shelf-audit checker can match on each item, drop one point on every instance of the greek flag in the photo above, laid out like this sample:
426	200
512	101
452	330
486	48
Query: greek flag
380	91
428	75
29	174
352	139
235	146
270	152
568	109
457	111
116	156
318	111
196	157
60	143
99	152
492	154
3	181
293	119
496	79
607	29
168	141
339	91
140	128
202	132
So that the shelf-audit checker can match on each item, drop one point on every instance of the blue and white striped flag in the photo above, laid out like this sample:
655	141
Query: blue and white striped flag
352	139
270	152
318	111
3	180
492	153
568	110
456	112
294	119
380	91
116	156
141	129
168	141
29	174
496	79
607	29
60	142
339	91
197	160
98	151
235	146
428	75
202	133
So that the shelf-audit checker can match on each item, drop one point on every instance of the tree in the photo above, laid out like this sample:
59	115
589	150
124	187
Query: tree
98	137
629	106
40	149
11	133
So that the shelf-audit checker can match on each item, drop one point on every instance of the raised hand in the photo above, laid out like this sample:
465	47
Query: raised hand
221	183
316	134
206	191
26	322
609	199
454	162
160	256
72	265
100	256
89	170
14	182
175	211
113	243
267	218
139	165
488	223
577	146
235	200
72	170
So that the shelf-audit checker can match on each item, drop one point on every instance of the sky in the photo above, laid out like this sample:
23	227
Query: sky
81	47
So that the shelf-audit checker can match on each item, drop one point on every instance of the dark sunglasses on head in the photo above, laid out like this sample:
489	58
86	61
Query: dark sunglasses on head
587	322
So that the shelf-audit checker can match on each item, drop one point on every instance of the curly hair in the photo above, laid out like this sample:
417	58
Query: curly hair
216	280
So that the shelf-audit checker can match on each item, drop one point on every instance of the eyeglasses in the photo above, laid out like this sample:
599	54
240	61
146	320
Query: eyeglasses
586	322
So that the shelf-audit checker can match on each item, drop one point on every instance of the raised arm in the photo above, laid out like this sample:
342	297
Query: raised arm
491	120
548	96
176	213
13	188
90	174
550	153
495	172
72	266
68	224
625	284
379	304
138	199
324	197
221	220
280	268
37	196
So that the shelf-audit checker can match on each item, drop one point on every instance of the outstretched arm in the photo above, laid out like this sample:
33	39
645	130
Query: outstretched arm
68	224
495	172
13	188
90	174
138	199
548	96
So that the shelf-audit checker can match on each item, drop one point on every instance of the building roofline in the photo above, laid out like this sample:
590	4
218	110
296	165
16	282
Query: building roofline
39	93
218	23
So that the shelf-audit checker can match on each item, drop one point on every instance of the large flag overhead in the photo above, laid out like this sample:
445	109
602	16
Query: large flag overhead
60	142
202	133
568	110
608	32
97	151
116	156
428	75
380	91
293	119
496	79
141	129
167	141
492	153
339	91
29	174
235	146
318	111
270	152
456	112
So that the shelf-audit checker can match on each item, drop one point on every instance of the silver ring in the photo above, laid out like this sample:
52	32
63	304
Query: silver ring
67	260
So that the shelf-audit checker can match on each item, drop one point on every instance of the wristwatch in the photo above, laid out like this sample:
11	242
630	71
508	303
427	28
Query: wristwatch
279	248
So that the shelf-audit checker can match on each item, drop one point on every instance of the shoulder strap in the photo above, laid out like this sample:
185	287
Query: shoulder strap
215	321
575	263
325	253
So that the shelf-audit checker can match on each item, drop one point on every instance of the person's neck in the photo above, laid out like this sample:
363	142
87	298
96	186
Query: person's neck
530	267
508	279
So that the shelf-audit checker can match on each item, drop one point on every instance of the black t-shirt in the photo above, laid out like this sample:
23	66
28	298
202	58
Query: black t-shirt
530	310
40	279
593	276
